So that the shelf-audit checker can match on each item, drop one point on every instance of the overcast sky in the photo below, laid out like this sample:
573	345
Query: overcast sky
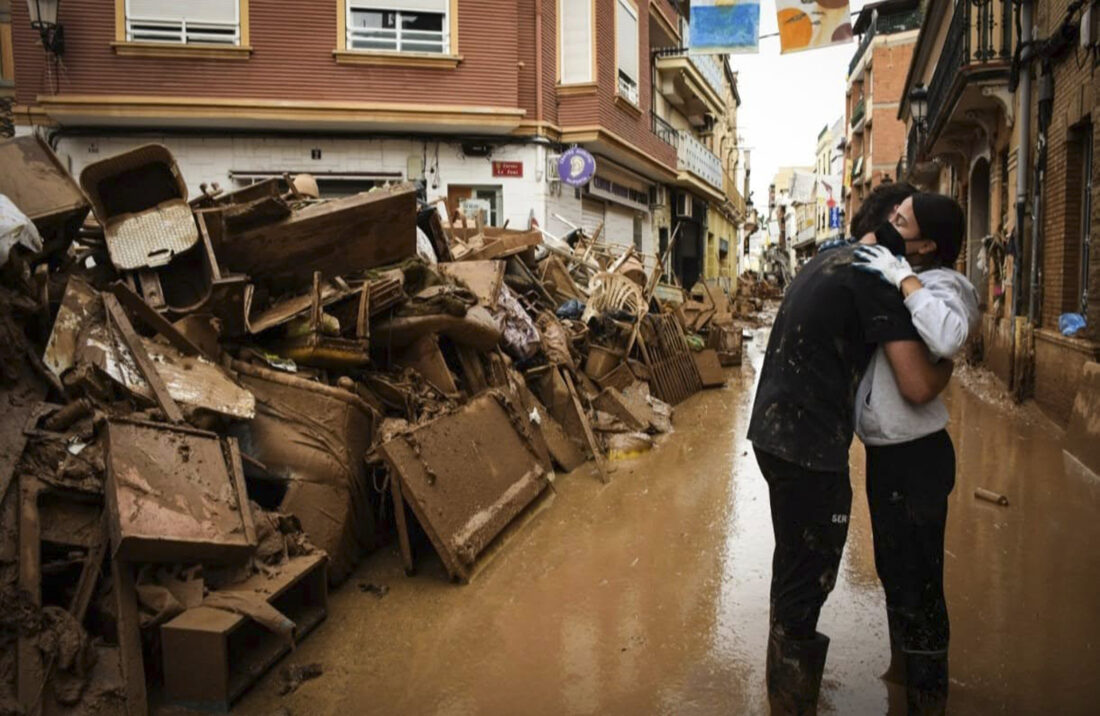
786	100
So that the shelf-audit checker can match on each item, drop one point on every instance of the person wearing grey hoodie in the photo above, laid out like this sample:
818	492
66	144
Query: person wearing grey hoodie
910	457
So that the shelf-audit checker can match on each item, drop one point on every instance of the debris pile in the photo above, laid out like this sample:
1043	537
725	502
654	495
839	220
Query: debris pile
215	406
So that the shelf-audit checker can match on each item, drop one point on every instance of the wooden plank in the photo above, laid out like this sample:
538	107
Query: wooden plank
402	526
157	322
89	575
129	638
601	464
236	470
141	358
31	674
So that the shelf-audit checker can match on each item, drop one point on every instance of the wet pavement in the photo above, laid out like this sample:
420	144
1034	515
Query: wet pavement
650	594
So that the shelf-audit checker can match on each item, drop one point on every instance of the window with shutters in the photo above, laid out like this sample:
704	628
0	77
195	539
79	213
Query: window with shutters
627	49
575	50
203	22
399	26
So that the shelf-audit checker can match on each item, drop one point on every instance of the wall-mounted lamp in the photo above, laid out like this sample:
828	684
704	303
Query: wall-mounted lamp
43	14
918	104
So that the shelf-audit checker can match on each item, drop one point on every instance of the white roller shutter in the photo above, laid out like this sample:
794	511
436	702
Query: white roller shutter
402	5
619	227
592	215
575	46
626	37
217	11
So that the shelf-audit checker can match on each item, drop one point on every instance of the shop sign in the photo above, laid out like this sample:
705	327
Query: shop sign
508	169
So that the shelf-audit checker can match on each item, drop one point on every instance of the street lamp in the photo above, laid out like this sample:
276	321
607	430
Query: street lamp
43	14
918	105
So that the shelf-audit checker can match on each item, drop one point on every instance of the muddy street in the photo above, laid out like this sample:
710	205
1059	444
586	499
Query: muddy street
650	595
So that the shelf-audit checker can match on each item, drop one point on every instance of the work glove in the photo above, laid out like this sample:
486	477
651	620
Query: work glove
832	244
878	260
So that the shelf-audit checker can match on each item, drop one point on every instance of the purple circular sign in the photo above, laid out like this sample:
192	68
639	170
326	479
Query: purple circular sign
576	167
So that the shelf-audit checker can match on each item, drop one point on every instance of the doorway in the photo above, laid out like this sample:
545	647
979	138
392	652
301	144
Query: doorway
978	203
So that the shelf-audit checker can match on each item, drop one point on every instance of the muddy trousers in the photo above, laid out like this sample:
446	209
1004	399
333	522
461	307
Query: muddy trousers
907	490
810	521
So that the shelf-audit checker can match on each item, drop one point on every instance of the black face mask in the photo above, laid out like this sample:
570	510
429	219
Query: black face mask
889	237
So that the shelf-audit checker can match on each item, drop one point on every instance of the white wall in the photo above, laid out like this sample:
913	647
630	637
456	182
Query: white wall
209	159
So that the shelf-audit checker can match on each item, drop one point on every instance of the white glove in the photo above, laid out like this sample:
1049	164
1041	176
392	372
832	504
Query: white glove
878	260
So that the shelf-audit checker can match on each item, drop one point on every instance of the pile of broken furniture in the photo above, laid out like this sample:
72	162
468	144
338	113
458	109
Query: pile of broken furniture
214	407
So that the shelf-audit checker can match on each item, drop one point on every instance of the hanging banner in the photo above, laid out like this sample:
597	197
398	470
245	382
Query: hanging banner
812	24
724	26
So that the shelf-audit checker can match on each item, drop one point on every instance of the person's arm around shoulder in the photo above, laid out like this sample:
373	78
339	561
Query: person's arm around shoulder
919	379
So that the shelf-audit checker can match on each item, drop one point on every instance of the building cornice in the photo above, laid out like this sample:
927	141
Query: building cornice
146	110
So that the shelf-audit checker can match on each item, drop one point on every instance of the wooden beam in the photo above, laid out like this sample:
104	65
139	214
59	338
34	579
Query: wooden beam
157	322
141	358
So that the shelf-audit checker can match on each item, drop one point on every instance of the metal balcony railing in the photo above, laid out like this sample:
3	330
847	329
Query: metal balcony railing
709	66
980	33
693	156
859	112
885	25
863	45
664	131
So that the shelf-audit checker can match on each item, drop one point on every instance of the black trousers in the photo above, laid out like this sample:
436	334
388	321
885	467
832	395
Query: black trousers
907	489
810	512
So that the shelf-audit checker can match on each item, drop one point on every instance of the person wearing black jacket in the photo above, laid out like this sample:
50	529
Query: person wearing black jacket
828	326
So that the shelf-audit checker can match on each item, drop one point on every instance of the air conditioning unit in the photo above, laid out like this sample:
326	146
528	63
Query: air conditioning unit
683	205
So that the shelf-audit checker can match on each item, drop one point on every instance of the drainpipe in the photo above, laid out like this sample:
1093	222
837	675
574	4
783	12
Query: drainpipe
538	64
1046	106
1023	116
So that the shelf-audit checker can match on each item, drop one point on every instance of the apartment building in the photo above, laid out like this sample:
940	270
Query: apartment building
1011	136
876	78
828	193
475	98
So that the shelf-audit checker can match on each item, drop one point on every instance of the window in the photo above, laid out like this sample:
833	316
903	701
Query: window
575	52
399	26
195	22
627	49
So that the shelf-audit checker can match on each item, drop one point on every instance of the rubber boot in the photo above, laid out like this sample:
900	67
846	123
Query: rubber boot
895	672
926	686
794	668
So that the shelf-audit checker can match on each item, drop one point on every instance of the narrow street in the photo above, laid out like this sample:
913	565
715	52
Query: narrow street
650	595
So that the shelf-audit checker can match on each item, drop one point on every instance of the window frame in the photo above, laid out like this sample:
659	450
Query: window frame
631	7
448	59
126	47
590	82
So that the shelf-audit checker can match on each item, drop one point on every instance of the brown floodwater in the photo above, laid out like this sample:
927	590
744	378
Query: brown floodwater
650	594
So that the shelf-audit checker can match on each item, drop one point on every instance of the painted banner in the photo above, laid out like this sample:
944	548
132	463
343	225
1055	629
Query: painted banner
724	26
811	24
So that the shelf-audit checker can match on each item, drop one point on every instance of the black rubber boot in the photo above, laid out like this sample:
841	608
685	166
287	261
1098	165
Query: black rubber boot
926	685
794	669
895	672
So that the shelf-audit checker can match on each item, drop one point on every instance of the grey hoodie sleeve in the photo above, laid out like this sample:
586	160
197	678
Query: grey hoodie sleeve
944	311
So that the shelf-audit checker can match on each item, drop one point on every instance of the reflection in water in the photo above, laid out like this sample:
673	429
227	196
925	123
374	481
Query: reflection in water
650	595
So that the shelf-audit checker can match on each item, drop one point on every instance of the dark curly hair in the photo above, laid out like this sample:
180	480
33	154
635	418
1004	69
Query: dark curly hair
878	205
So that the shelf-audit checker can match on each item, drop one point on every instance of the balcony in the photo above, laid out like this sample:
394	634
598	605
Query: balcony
664	131
885	25
692	83
974	65
858	115
694	157
734	196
